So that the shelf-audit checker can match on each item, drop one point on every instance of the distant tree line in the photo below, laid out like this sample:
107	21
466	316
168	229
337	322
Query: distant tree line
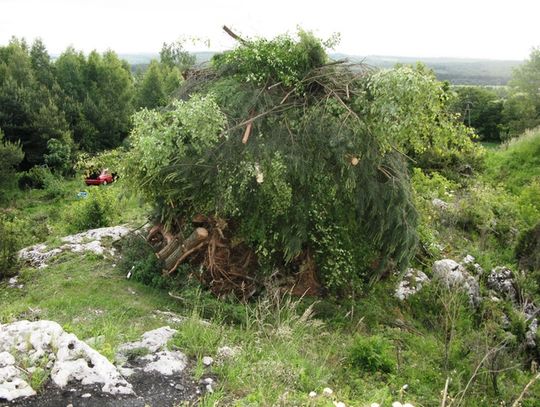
77	102
499	114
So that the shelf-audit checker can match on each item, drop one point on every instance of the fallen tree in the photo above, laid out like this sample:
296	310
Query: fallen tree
277	163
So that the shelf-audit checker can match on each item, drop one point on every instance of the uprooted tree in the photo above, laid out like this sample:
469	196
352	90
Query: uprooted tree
277	162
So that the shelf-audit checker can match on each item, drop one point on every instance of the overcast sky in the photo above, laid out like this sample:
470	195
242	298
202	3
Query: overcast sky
425	28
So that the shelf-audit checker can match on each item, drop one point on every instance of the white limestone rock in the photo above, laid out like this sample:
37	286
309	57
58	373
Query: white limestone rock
73	359
152	341
166	362
12	385
412	282
89	241
207	361
454	275
6	359
530	335
37	255
158	358
226	352
440	204
501	280
114	233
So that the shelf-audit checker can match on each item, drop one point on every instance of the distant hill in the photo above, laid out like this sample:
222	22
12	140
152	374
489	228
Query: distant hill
458	71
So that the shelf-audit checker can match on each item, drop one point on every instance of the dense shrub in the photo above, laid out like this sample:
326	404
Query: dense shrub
139	259
488	211
10	157
98	210
59	155
9	245
372	354
34	178
528	249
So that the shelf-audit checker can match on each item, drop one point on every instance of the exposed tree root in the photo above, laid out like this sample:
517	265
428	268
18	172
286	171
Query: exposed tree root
226	266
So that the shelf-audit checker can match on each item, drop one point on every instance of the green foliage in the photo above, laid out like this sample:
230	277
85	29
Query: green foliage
323	166
516	168
522	109
488	211
480	108
528	249
98	210
174	55
156	85
196	338
139	259
519	114
9	244
59	156
29	98
187	129
526	77
11	155
87	97
516	164
92	163
372	354
282	59
34	178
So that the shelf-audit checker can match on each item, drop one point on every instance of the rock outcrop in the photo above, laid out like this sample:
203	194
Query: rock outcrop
501	280
66	358
89	241
454	275
411	283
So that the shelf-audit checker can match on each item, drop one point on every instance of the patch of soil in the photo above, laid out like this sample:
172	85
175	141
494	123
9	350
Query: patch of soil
151	389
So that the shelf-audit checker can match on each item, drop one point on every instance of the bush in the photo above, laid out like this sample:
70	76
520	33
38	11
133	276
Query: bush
10	157
488	211
34	178
9	245
139	259
58	156
96	211
372	354
528	249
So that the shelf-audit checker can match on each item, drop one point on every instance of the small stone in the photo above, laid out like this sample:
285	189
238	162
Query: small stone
209	388
208	380
312	394
405	387
86	395
179	387
69	405
207	361
226	352
327	391
339	404
439	204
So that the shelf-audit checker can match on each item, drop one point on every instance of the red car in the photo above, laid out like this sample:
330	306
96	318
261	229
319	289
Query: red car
102	179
